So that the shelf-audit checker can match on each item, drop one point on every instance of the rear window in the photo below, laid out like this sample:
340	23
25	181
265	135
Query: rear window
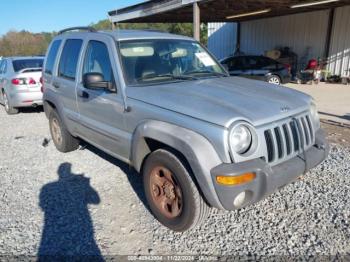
21	64
69	59
51	57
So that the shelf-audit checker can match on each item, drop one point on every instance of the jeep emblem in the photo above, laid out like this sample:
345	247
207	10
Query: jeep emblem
285	109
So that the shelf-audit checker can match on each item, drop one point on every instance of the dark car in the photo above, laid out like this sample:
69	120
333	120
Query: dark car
259	68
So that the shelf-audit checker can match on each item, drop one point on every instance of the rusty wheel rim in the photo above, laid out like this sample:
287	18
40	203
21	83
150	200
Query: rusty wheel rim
166	192
56	131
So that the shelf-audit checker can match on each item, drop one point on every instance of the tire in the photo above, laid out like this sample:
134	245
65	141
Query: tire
174	202
61	137
8	108
274	79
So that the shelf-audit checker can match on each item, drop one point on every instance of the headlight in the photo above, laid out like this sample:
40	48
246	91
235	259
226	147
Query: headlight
240	139
314	115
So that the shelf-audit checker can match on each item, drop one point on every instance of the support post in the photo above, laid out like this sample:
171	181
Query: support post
238	39
329	34
196	22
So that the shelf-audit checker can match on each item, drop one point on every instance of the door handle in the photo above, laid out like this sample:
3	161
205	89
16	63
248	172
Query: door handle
83	94
56	85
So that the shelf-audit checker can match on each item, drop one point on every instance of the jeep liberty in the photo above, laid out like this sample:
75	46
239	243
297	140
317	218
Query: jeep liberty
165	106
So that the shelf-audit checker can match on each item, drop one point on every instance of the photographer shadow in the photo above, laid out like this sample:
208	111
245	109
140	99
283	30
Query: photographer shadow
68	228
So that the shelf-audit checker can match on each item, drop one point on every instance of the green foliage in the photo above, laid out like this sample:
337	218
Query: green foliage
25	43
174	28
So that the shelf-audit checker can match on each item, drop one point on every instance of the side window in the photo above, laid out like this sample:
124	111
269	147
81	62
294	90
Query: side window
69	59
236	64
267	64
51	57
97	60
253	63
3	67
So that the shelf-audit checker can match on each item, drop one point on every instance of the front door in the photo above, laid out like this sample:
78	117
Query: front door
101	111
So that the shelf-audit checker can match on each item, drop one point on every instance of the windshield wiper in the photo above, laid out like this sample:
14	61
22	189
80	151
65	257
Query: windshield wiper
176	77
207	72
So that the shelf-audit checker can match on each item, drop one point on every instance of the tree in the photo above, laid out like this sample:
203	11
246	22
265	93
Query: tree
24	43
174	28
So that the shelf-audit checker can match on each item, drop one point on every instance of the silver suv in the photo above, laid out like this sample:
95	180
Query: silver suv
164	105
20	82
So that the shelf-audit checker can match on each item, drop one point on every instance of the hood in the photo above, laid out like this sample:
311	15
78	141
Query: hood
224	100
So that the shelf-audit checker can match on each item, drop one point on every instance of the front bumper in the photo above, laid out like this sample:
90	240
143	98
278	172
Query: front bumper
268	179
26	99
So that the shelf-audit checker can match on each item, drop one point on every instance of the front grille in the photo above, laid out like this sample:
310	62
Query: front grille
289	138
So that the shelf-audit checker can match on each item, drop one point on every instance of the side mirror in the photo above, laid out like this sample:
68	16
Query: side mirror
96	81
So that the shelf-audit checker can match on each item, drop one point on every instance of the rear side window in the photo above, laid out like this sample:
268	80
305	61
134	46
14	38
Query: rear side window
1	66
51	57
21	64
237	63
69	59
4	67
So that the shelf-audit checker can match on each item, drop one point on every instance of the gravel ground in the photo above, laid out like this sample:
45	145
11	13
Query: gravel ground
85	203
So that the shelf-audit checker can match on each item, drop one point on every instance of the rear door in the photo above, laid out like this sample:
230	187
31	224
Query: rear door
2	62
4	77
65	82
261	67
102	111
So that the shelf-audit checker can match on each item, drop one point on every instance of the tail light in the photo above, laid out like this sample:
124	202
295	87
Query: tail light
31	81
23	81
18	81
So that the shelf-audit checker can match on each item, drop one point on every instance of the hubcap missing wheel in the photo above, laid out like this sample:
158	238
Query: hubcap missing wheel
56	131
165	191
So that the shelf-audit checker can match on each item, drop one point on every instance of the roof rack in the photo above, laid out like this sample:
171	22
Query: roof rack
85	28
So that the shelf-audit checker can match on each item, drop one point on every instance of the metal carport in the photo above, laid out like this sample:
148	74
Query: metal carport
197	11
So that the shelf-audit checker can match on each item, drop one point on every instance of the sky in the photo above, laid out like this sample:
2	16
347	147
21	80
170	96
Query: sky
53	15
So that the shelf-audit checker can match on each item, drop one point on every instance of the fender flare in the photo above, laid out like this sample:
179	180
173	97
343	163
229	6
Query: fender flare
197	150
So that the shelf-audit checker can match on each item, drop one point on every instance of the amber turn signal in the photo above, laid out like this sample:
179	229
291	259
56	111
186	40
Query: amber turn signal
235	180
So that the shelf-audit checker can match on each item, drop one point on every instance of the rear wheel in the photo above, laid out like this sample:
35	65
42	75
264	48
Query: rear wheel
273	79
8	108
61	137
171	192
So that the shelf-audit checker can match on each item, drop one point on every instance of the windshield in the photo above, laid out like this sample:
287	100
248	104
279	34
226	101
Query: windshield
150	61
27	63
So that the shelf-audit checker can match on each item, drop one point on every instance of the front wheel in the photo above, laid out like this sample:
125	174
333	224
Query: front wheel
273	79
8	108
171	192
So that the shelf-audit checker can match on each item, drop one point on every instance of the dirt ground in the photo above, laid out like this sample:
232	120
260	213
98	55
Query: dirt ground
333	103
333	100
338	133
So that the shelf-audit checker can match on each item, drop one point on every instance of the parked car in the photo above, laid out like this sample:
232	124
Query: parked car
258	68
20	82
164	105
